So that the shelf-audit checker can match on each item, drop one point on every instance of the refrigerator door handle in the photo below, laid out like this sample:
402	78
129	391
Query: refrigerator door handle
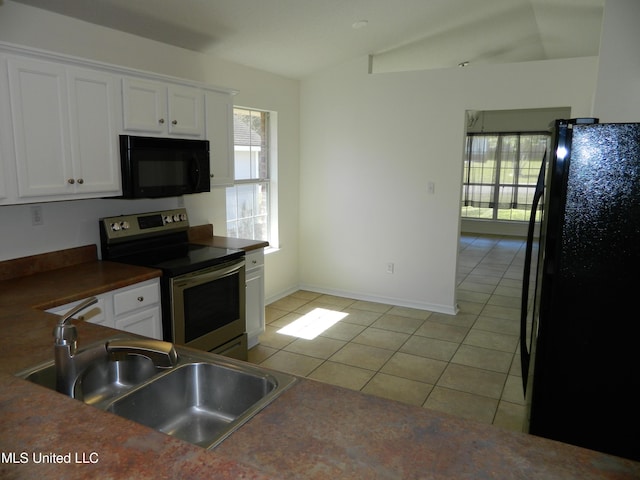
525	353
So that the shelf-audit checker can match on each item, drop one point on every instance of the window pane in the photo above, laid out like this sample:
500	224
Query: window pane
500	174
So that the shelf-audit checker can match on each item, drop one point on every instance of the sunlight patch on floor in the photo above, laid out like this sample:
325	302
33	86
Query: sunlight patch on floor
313	323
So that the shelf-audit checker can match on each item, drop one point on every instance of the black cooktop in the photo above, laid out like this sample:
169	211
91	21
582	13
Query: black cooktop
159	240
177	260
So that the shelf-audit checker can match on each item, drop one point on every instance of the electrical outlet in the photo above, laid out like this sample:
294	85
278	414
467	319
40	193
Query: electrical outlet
390	267
36	215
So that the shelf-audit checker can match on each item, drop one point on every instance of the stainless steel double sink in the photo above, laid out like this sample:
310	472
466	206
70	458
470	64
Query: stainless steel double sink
202	400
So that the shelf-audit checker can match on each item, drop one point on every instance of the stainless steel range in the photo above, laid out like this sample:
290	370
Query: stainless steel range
203	287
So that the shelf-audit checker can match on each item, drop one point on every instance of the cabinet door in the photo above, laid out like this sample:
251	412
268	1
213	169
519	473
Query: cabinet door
219	119
146	322
185	111
255	314
144	106
5	131
93	101
40	119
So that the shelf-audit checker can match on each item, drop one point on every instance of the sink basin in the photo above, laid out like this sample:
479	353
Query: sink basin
104	379
200	403
202	400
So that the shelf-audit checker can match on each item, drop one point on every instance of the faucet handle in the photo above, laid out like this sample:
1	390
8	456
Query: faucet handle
163	354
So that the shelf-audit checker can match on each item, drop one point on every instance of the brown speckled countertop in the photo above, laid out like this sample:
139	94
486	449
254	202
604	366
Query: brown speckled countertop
313	431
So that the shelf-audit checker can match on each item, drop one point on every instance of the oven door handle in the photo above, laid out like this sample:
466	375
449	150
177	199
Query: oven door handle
208	274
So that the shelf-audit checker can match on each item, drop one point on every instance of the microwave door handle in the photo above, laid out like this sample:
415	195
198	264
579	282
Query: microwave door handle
195	172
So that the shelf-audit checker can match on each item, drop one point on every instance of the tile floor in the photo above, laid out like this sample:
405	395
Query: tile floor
467	365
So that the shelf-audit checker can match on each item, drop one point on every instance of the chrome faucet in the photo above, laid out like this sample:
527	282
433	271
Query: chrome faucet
70	364
162	354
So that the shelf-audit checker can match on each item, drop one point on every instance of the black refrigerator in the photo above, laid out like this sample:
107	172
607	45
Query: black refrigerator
580	322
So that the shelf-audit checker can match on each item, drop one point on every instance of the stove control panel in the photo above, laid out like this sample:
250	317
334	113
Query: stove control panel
140	225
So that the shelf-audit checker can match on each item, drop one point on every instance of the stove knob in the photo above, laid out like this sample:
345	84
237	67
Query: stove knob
183	217
168	219
176	218
125	225
115	227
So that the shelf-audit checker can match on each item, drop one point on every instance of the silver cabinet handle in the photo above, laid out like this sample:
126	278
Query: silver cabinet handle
175	122
71	181
161	121
141	299
80	181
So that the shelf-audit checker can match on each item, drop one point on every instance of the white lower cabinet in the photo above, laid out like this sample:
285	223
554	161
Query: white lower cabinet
133	309
254	278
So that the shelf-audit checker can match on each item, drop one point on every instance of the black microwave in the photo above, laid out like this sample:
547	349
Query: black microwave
154	167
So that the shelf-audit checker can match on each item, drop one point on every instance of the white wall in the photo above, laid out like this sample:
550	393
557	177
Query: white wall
69	224
370	146
617	96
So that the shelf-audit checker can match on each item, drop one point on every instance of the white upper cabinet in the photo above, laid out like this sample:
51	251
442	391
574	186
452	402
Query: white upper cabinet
93	99
40	119
61	117
64	130
159	108
219	120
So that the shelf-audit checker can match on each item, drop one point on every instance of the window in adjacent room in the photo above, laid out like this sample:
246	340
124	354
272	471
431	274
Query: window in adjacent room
251	201
500	174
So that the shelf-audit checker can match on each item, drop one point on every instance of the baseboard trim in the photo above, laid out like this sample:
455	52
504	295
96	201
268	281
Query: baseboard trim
436	308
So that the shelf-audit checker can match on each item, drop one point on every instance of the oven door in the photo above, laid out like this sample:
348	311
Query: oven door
208	306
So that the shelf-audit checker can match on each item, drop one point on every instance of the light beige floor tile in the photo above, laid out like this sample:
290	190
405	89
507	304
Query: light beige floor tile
376	337
469	296
513	391
462	404
473	380
492	340
293	363
504	301
319	347
501	312
343	331
363	356
510	416
285	320
484	358
410	312
414	367
342	375
315	304
306	295
440	331
509	291
371	306
398	324
484	333
498	325
361	317
462	319
396	388
288	304
471	308
430	348
260	353
478	287
272	314
271	338
341	302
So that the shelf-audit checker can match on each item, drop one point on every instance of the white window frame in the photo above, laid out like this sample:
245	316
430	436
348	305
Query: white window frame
270	179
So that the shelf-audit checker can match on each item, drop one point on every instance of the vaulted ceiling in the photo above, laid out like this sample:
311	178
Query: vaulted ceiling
295	38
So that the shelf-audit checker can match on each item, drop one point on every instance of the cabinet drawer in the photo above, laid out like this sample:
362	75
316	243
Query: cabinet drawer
135	298
254	259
